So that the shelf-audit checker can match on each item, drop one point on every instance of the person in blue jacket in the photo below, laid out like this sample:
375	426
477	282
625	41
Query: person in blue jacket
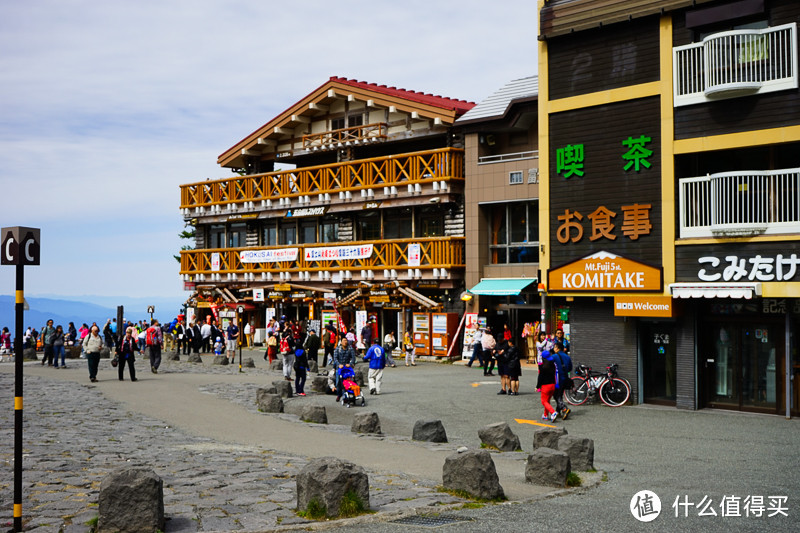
376	356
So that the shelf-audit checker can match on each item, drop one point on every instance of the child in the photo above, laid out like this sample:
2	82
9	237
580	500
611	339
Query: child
218	346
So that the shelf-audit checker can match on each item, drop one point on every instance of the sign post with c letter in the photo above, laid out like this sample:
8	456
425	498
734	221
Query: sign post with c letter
20	247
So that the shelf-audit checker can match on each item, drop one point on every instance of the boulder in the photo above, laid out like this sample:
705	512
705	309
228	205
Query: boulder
313	367
314	413
73	352
131	501
173	356
548	467
319	384
105	353
366	423
548	437
473	472
283	388
327	480
195	358
268	403
29	354
499	436
429	431
277	365
359	377
580	451
248	362
220	360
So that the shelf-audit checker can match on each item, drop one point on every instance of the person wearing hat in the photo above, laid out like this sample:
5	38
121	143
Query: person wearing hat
312	345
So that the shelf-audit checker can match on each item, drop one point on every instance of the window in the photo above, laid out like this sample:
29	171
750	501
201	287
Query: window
308	232
514	178
514	233
287	233
369	226
237	235
355	120
269	234
329	229
216	236
337	123
430	222
397	224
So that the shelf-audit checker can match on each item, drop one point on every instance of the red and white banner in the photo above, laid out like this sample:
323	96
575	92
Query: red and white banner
335	253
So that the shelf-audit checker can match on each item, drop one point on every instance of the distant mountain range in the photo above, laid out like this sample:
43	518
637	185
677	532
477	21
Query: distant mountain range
86	309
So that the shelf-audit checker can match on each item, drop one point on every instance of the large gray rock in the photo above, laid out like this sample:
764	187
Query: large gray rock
429	431
276	365
473	472
131	501
313	367
29	354
105	353
548	437
366	423
283	388
359	377
547	467
220	360
580	451
327	480
268	403
73	352
195	358
314	413
499	436
173	356
248	362
319	384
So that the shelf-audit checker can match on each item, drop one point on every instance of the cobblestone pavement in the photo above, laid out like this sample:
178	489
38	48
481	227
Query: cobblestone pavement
74	437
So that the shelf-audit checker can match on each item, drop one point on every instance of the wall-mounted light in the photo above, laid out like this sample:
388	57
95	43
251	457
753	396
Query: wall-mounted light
466	296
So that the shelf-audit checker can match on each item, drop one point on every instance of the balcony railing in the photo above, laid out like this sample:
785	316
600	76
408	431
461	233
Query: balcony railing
740	203
390	173
354	136
504	158
736	63
389	260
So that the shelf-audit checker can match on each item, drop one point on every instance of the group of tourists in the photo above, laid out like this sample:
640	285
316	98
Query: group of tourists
553	361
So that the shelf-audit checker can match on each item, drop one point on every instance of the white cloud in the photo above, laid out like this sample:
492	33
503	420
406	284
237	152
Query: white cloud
110	106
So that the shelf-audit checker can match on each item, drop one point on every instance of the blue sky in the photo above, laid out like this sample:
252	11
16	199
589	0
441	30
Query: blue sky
107	107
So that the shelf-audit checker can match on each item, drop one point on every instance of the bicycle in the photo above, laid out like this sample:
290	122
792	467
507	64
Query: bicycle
613	390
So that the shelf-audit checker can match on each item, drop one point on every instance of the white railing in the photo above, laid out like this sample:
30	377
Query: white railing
740	203
504	158
736	63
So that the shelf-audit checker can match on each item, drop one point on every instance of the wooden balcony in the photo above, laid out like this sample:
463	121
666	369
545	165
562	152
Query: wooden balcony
389	260
354	136
394	173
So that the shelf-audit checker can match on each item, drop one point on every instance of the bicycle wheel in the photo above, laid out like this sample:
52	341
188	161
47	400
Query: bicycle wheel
579	392
615	392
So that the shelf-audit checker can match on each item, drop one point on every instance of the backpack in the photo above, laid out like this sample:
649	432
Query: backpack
566	362
285	345
151	338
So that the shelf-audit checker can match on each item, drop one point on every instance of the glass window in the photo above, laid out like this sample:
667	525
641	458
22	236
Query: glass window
355	120
269	234
287	234
397	224
216	236
430	222
369	226
514	233
237	235
515	178
329	229
308	232
337	123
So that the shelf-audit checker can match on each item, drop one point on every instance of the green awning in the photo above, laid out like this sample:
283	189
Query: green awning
501	287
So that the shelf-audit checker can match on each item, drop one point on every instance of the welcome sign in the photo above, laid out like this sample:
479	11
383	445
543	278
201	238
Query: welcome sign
604	272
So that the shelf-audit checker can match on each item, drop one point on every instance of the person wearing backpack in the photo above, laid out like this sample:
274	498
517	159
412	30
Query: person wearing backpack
154	340
564	364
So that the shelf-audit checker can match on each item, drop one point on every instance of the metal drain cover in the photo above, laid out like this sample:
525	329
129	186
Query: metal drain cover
430	520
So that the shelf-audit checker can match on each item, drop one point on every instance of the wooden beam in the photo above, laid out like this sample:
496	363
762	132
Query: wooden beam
283	131
302	119
318	107
267	142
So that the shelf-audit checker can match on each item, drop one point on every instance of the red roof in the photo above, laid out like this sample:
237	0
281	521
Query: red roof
461	106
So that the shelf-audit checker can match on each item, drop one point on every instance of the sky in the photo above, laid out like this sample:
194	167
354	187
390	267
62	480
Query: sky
107	107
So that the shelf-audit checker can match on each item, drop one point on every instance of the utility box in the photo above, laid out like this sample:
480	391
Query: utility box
421	332
444	329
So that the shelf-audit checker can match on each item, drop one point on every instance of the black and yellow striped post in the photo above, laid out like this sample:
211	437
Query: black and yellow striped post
20	247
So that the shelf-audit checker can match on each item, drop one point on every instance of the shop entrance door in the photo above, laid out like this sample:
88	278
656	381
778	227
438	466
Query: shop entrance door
658	349
742	366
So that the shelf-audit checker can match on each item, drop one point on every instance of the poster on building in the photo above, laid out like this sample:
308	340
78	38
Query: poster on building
270	314
258	295
329	317
470	326
215	261
268	256
413	254
361	321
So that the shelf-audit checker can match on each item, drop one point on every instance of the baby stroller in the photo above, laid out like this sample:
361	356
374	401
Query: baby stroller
352	392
